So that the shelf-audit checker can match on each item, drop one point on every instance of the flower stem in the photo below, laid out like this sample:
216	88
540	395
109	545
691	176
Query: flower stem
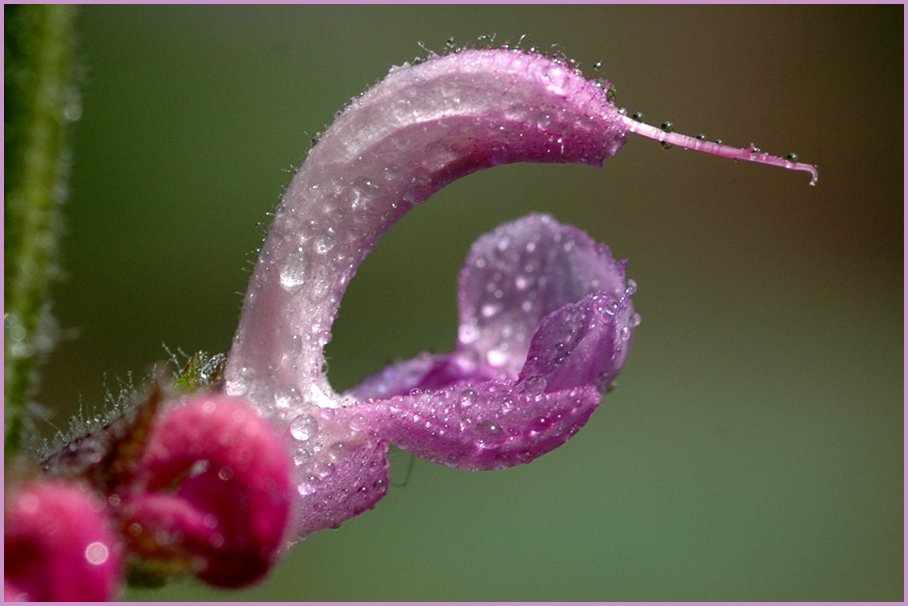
38	53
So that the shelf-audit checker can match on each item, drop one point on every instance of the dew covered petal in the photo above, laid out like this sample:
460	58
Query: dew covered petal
583	343
341	468
517	275
419	129
485	425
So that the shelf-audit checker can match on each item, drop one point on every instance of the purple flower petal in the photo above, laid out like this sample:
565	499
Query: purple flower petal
513	278
342	465
517	275
583	343
481	426
57	546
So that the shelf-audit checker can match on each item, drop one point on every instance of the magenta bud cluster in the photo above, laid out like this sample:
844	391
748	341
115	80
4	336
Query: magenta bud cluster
209	496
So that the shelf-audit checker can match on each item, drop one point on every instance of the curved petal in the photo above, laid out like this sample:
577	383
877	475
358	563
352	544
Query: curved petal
419	129
583	343
425	371
513	278
342	468
489	425
517	275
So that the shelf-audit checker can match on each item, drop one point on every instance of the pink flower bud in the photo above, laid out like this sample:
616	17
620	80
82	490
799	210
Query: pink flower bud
57	545
212	494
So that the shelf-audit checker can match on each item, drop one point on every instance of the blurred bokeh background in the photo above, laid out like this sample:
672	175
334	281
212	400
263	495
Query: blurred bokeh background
753	449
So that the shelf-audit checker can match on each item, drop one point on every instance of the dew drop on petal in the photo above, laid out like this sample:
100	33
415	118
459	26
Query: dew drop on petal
97	553
467	398
357	422
468	333
498	356
534	385
301	456
293	274
489	309
304	427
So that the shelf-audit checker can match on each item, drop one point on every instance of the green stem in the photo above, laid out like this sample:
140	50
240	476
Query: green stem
38	53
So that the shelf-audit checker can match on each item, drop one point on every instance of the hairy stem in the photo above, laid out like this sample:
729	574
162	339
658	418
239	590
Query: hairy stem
38	53
747	154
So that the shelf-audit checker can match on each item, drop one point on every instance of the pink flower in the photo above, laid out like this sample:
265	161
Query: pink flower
546	317
211	494
58	545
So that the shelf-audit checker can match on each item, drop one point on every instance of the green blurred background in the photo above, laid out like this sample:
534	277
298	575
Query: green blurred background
753	449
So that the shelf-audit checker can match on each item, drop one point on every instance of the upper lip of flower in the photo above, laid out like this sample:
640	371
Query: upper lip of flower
545	312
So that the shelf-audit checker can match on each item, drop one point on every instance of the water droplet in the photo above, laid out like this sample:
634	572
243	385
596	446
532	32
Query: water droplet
468	333
521	282
283	398
293	274
635	320
301	456
336	450
638	116
357	422
498	356
541	423
225	473
324	244
631	288
489	427
792	157
96	553
468	397
304	427
488	310
72	111
534	385
198	468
